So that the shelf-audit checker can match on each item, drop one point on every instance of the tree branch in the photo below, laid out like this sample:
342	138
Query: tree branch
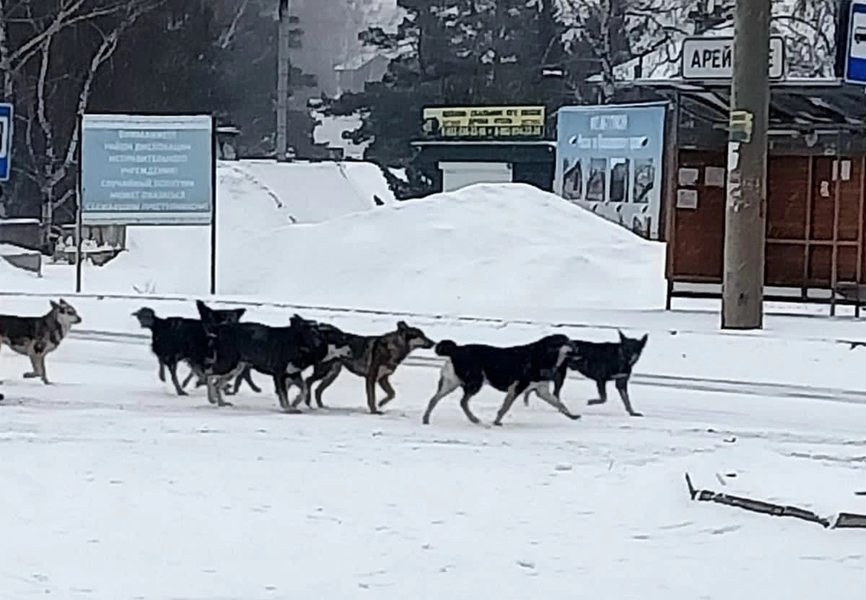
228	36
40	106
105	51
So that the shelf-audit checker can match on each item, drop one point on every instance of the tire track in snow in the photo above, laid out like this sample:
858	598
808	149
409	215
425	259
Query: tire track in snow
679	382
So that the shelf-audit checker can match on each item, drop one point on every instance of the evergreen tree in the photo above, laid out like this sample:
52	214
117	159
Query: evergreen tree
466	52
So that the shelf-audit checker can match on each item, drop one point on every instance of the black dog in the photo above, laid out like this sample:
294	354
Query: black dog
603	362
281	352
513	370
217	316
180	339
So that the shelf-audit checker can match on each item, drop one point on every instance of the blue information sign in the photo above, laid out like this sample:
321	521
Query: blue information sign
6	113
147	170
855	54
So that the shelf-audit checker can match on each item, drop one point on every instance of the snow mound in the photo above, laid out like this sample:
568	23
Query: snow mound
482	249
254	198
309	192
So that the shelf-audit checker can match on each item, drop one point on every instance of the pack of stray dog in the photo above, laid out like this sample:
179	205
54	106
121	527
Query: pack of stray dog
221	351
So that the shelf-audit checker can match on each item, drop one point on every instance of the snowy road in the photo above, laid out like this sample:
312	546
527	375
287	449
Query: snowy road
114	488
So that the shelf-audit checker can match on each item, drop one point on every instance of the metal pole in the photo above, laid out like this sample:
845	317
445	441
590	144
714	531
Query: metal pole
213	214
283	66
79	209
745	209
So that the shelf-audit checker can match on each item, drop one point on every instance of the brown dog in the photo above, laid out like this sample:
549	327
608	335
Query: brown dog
373	357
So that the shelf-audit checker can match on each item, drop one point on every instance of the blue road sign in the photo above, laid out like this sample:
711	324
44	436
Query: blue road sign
855	55
6	113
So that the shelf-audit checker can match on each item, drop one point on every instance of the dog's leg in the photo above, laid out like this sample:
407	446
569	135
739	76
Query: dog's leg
35	372
172	371
219	386
248	377
602	393
304	395
510	397
464	404
189	377
214	391
37	361
386	386
40	368
161	371
327	374
559	380
544	393
372	376
622	387
448	382
281	390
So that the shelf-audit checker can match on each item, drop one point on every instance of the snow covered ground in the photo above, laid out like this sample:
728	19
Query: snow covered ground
113	487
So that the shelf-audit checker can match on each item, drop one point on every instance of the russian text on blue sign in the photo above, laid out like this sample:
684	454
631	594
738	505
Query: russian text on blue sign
147	170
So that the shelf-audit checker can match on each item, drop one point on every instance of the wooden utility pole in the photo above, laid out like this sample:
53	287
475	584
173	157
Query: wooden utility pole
745	208
283	72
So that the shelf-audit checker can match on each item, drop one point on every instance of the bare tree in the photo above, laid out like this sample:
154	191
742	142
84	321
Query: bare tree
53	145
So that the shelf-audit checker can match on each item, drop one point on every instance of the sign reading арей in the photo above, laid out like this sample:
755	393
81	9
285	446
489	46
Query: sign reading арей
712	58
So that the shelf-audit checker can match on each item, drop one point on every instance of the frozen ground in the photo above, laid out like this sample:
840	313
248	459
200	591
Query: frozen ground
115	488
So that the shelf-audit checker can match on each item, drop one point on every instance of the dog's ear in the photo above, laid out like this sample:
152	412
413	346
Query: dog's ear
643	339
63	302
54	305
239	312
203	310
402	326
622	337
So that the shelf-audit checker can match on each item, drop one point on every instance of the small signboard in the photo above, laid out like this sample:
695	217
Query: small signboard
147	170
855	56
484	122
6	114
712	58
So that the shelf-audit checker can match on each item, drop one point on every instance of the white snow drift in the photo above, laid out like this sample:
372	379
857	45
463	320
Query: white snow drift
504	249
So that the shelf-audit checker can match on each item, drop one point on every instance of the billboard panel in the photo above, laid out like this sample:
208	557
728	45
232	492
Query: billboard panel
609	160
147	170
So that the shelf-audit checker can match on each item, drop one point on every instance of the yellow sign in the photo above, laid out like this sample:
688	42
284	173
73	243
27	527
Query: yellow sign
484	121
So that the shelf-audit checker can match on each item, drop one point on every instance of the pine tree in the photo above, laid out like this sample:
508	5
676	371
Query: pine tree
465	52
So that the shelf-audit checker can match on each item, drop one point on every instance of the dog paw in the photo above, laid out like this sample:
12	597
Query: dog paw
573	417
224	403
30	375
636	414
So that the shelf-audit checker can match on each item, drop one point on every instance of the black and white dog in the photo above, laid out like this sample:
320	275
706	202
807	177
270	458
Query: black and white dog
513	370
281	352
181	339
603	362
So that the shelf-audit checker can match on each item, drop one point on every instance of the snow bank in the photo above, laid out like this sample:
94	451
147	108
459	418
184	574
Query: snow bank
254	198
309	192
480	250
506	250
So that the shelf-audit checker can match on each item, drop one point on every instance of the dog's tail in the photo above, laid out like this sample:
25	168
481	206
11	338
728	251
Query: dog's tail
146	317
445	348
